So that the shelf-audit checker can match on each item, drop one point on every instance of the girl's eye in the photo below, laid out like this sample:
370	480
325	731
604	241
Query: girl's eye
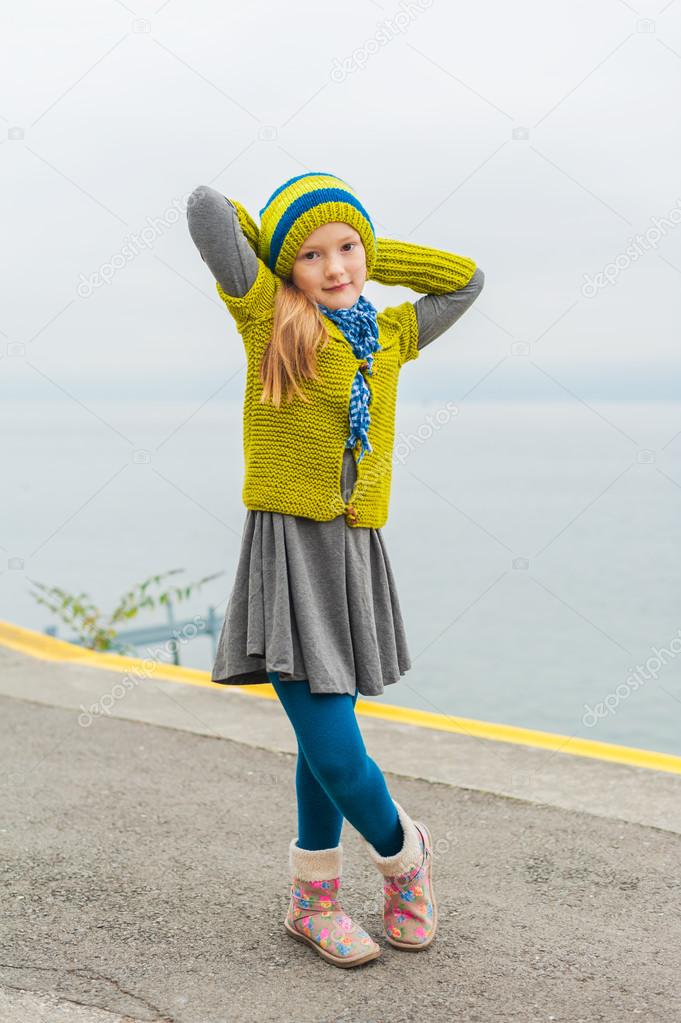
312	252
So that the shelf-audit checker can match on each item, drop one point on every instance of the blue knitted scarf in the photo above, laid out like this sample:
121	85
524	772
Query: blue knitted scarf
358	324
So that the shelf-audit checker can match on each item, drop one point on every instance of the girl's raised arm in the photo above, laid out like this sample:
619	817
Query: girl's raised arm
451	283
437	313
218	235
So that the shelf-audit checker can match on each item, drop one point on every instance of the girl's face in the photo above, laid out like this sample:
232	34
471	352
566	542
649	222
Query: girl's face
331	255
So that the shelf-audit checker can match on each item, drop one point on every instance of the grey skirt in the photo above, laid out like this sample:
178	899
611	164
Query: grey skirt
313	600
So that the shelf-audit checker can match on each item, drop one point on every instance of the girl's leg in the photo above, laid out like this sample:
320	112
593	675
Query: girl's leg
336	758
320	822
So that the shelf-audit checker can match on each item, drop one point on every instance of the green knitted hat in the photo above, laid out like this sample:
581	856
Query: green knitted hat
299	207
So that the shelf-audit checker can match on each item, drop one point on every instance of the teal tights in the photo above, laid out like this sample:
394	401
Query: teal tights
335	776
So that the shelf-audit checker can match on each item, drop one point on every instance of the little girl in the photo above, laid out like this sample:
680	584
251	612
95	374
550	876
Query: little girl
314	608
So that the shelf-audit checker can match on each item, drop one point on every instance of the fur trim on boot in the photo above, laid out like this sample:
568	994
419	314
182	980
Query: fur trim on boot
408	857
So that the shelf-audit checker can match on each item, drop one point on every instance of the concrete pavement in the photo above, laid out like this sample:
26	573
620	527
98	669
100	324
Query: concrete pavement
144	862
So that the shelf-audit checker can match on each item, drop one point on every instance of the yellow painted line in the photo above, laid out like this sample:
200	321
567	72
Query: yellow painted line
48	648
38	644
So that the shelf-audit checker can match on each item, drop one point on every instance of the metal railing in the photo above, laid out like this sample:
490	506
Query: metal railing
170	633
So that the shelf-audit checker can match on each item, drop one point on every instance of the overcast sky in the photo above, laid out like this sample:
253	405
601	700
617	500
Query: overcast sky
540	139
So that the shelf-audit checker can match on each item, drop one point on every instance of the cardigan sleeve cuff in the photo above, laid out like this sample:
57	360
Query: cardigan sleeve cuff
423	269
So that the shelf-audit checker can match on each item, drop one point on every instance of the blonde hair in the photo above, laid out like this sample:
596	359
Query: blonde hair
298	333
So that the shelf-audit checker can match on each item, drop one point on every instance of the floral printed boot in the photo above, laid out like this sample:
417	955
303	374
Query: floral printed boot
315	915
409	910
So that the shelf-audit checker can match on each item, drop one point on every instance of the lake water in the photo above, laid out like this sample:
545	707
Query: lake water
536	546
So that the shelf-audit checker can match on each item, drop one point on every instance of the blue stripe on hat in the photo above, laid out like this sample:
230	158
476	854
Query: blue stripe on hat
302	205
308	174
